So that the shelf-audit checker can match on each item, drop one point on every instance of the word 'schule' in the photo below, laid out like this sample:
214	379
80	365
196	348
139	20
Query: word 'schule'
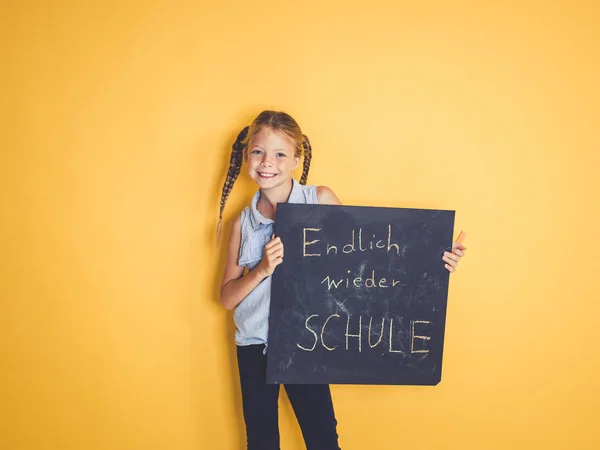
373	337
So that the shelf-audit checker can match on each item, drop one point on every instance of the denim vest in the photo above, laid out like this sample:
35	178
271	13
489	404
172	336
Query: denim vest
252	315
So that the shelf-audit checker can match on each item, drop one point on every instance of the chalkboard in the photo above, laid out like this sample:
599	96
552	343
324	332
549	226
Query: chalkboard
360	297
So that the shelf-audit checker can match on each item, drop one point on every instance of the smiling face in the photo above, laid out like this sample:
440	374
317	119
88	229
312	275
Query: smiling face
271	158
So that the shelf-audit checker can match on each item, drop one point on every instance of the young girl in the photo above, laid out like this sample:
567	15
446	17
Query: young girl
272	147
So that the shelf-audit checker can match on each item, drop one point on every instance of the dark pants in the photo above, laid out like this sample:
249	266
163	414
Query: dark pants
311	403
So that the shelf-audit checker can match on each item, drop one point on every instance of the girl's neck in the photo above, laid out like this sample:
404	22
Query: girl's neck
267	203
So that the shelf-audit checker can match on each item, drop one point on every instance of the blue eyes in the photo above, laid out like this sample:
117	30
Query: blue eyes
258	152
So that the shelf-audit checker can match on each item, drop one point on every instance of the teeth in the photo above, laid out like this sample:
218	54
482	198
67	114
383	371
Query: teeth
267	175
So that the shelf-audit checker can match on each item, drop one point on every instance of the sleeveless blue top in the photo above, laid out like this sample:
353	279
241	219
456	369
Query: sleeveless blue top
251	316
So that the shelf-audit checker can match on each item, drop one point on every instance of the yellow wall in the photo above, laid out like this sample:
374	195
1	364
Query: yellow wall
116	122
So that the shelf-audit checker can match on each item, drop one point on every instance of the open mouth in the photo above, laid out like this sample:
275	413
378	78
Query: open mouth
266	175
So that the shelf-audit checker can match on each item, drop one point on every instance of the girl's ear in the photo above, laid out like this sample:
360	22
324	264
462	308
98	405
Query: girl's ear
296	162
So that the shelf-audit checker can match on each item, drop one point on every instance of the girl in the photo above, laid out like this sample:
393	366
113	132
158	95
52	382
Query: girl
272	147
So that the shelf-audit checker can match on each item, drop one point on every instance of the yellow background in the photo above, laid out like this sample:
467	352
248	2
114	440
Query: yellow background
116	123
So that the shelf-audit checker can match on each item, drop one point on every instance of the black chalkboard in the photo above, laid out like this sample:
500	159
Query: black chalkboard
360	297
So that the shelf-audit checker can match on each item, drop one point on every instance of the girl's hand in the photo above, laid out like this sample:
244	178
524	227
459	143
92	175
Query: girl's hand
273	256
452	258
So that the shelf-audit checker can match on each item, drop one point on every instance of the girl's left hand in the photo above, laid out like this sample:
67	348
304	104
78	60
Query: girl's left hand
452	258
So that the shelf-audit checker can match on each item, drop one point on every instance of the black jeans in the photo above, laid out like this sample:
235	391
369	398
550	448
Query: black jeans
311	403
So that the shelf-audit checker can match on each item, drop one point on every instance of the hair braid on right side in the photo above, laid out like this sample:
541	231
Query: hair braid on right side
235	164
307	157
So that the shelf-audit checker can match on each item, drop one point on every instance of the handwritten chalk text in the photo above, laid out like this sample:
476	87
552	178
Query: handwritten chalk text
318	336
355	245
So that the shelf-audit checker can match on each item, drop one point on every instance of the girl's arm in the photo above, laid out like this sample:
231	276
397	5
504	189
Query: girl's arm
235	286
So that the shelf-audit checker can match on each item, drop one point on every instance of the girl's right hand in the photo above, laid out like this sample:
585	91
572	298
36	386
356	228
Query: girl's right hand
273	256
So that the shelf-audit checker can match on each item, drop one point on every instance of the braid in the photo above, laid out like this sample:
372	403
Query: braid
235	164
307	158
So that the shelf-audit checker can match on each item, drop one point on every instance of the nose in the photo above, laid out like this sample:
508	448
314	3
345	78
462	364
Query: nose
266	161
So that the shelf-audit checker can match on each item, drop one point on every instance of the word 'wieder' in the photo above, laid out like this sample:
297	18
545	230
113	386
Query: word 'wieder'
350	281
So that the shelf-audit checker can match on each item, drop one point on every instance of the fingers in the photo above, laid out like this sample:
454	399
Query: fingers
275	252
273	242
273	246
451	257
458	249
451	260
448	257
456	245
273	255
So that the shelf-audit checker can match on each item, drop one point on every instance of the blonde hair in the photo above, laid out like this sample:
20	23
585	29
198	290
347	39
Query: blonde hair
277	121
